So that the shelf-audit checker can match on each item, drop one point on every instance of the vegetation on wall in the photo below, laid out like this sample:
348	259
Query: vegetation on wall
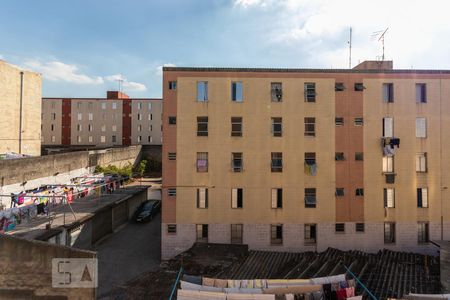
113	170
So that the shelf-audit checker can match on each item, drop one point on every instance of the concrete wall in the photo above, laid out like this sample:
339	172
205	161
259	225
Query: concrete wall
10	90
28	173
26	270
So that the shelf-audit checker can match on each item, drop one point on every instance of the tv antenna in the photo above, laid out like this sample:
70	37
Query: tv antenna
350	50
120	82
380	36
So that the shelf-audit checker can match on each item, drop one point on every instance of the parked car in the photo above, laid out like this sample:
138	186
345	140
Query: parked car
147	210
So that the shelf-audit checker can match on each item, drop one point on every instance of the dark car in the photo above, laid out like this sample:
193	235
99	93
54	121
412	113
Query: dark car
147	210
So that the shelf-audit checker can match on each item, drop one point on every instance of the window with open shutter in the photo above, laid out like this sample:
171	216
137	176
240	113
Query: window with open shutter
388	127
421	127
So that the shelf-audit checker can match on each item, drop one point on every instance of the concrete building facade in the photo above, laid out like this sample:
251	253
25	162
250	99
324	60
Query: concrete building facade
306	159
20	100
116	120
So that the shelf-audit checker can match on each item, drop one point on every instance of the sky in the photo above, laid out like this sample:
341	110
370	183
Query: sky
83	47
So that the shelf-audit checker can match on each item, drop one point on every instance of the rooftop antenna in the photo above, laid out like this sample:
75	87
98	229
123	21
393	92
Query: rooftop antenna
350	50
120	82
380	35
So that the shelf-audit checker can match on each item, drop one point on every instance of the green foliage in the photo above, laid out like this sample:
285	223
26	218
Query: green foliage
141	167
113	170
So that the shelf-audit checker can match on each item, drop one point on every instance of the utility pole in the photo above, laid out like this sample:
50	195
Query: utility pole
350	50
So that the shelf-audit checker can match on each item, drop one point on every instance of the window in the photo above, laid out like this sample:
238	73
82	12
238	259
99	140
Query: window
388	127
139	138
388	92
91	116
339	121
103	105
202	91
421	162
150	117
359	122
150	139
423	232
114	139
139	117
202	233
237	198
310	197
202	161
236	233
359	192
277	126
53	105
359	227
52	127
359	156
310	234
339	192
276	91
310	160
102	139
90	105
277	162
172	155
236	91
139	105
236	126
53	116
149	106
310	126
421	127
310	92
202	126
172	120
339	86
79	105
202	198
172	228
236	162
79	127
171	192
421	93
172	85
104	116
139	128
79	139
90	139
388	164
103	128
389	198
339	227
338	156
53	139
276	234
150	128
359	87
277	198
90	127
422	197
80	116
114	105
114	128
389	233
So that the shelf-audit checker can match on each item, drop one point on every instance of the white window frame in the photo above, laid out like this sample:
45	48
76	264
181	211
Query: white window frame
202	198
388	164
421	127
235	197
388	127
421	162
389	197
274	197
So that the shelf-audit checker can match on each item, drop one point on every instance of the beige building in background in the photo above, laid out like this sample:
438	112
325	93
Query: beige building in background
20	102
306	159
116	120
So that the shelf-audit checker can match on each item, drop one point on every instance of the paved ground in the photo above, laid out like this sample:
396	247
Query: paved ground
133	250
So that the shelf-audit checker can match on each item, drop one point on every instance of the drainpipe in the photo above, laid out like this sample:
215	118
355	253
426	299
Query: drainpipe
20	112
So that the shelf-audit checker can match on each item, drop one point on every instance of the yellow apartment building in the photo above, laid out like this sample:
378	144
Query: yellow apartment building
306	159
20	102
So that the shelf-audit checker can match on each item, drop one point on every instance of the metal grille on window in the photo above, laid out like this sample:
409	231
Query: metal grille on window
202	161
310	126
276	91
236	126
236	162
310	197
310	92
277	162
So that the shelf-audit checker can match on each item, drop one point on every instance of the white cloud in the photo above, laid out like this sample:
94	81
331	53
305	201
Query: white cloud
127	85
159	69
1	56
59	71
249	3
319	29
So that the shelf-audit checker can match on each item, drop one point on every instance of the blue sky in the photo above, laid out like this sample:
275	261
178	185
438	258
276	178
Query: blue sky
81	47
